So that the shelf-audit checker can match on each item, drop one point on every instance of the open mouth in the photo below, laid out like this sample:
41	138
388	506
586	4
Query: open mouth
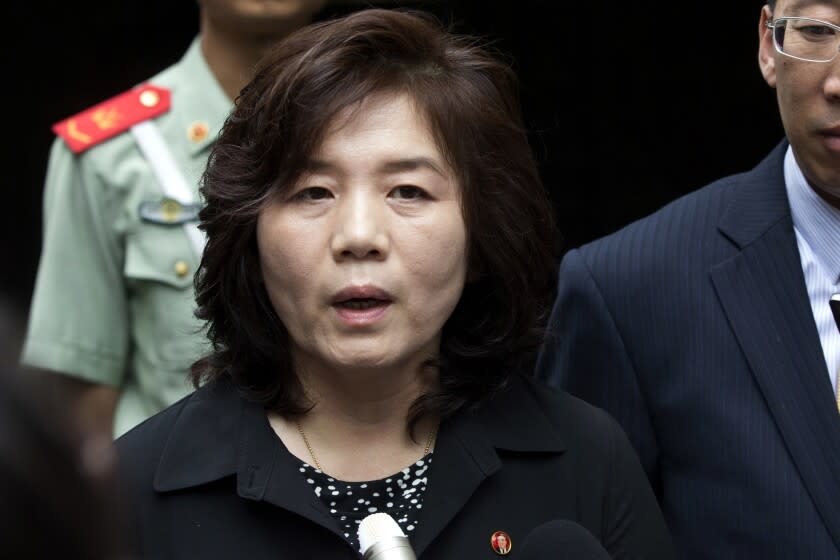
361	303
361	297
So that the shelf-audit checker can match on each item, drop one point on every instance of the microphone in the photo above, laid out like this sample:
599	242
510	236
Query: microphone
380	538
834	302
562	540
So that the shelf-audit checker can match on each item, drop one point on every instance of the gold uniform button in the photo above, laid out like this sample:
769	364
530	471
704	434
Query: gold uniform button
181	269
149	98
170	209
198	131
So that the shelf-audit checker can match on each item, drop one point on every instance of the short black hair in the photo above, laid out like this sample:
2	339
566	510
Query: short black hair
772	4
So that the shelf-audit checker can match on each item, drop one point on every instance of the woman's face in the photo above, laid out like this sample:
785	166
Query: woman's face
365	257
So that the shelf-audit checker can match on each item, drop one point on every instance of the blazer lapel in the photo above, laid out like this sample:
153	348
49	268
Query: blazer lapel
464	458
267	471
466	452
218	434
762	290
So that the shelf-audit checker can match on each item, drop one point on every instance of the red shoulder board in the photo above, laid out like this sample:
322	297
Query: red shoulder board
112	117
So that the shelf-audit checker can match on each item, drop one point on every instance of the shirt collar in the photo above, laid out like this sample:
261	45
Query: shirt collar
202	98
816	220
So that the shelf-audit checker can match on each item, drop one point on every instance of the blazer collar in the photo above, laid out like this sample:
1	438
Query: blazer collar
760	201
203	443
219	433
466	452
513	420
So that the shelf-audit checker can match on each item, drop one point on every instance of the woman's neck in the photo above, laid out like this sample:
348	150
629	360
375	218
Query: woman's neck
357	428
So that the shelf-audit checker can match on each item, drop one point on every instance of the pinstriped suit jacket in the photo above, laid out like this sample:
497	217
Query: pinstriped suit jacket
692	327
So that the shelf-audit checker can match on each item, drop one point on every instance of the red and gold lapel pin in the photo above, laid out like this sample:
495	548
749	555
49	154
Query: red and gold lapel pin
500	543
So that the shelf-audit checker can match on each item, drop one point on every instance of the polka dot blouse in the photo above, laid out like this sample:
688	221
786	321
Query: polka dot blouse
399	495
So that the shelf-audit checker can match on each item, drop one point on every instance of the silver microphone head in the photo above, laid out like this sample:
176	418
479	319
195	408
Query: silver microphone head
380	538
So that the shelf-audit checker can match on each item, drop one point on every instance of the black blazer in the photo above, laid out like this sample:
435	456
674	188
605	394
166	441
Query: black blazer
693	328
208	478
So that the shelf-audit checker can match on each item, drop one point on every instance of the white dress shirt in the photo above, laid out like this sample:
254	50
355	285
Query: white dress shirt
817	227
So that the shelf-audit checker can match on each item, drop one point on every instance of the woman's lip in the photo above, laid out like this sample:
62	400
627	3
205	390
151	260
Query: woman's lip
362	317
362	292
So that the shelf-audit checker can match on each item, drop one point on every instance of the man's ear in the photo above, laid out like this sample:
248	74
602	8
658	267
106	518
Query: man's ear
766	49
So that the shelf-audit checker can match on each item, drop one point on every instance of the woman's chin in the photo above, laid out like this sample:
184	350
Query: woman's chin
373	360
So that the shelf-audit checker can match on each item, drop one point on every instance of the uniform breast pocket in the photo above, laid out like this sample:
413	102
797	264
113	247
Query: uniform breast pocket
159	269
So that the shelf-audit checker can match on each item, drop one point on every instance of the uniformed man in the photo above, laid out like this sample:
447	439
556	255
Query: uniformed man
113	304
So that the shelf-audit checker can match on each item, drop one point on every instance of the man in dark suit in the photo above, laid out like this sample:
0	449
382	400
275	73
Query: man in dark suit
705	328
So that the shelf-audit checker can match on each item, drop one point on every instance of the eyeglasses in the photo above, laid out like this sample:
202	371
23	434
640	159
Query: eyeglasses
808	39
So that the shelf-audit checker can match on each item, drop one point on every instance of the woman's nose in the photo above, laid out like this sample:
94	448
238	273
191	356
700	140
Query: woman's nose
360	231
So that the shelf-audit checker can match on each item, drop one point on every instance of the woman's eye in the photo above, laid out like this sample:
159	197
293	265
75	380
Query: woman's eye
311	194
408	192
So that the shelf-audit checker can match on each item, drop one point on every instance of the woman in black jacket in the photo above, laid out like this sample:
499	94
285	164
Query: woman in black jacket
378	268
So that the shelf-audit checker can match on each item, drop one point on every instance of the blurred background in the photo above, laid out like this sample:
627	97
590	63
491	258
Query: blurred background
628	104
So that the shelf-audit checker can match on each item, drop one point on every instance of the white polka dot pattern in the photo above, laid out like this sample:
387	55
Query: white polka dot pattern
400	496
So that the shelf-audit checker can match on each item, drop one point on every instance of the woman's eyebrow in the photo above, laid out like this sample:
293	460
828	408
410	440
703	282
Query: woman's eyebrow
391	166
412	164
318	166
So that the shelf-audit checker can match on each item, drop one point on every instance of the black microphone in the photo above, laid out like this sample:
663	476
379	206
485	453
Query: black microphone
562	540
834	302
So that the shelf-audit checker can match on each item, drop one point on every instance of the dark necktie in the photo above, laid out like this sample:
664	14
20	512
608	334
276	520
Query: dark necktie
834	302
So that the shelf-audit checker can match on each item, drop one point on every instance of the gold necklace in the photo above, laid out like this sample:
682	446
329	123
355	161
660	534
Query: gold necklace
318	465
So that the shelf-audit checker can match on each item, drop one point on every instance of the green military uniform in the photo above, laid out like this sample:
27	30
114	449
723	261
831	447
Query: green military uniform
114	300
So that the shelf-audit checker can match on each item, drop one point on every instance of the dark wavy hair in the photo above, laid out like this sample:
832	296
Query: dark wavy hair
470	99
